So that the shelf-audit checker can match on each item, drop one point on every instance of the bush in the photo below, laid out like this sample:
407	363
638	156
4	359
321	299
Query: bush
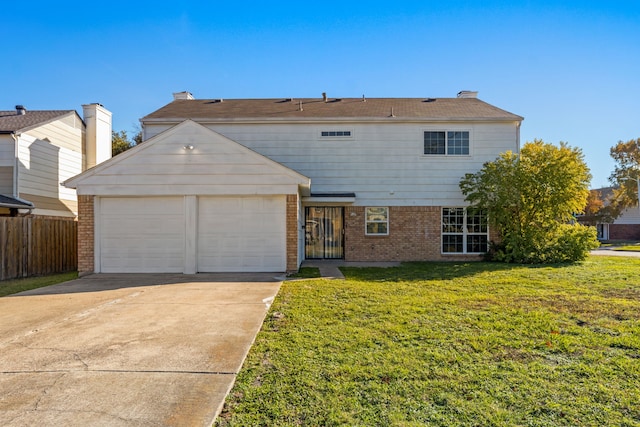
563	243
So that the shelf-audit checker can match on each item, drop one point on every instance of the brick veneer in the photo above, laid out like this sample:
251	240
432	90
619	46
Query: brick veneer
292	232
414	235
85	235
624	232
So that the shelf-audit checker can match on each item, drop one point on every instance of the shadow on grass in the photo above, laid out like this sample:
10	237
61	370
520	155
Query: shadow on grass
410	271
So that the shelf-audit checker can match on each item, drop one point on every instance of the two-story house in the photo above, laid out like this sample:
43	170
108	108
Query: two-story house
40	149
263	184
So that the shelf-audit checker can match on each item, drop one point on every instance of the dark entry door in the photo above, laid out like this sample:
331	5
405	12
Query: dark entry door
324	232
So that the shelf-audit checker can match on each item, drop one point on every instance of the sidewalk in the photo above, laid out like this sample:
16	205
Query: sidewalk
329	268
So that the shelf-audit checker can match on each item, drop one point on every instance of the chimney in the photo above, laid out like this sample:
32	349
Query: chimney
20	110
182	95
324	96
467	94
97	120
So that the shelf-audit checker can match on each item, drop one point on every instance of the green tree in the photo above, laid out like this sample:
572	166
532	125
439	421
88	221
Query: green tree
625	175
531	199
120	141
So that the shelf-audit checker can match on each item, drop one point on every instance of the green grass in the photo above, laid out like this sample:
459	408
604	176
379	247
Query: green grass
467	344
8	287
633	247
306	273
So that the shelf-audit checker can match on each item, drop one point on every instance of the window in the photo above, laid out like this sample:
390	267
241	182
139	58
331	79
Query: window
464	231
450	143
377	221
336	133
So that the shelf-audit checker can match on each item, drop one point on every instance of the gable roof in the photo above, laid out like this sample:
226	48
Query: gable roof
433	109
185	158
11	121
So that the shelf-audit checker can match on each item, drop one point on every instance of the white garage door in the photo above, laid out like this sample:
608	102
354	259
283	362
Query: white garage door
142	235
242	234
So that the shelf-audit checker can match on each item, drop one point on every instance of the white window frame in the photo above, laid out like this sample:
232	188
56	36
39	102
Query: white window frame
446	143
465	233
367	221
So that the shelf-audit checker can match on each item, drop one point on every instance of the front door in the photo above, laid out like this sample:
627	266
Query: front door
324	232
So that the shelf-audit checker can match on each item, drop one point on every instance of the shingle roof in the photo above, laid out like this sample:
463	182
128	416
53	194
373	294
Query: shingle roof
10	121
12	202
346	108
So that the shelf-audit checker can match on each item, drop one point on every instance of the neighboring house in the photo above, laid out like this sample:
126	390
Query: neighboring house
263	184
41	149
624	227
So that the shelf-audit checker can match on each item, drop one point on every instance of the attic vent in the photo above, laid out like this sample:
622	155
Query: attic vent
20	110
429	100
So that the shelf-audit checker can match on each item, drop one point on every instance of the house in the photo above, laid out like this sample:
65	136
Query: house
625	227
263	184
39	149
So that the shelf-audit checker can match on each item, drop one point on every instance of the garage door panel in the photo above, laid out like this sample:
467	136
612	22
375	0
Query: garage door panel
142	235
241	234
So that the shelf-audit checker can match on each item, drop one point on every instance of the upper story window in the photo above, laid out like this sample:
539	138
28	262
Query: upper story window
336	134
450	143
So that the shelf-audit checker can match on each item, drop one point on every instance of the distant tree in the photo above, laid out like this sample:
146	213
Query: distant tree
531	199
120	141
624	176
597	210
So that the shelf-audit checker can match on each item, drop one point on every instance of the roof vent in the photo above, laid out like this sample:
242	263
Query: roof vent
467	94
182	95
324	96
20	110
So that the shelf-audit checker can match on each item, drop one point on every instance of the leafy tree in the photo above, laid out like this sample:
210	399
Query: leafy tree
120	141
595	210
624	176
531	199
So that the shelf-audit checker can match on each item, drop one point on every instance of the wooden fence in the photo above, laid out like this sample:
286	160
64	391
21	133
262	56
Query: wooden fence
35	246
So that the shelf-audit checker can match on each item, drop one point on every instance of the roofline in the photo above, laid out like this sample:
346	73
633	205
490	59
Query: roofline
262	120
45	122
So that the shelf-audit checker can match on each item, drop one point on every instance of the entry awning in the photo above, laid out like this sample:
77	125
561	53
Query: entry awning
335	198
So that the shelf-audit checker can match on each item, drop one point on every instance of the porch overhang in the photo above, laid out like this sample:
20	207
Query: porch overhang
332	198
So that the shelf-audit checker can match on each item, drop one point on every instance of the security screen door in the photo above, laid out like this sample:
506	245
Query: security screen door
324	232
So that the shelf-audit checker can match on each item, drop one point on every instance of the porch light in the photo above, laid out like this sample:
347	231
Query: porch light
188	147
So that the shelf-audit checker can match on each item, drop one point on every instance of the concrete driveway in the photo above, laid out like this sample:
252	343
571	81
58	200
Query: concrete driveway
129	349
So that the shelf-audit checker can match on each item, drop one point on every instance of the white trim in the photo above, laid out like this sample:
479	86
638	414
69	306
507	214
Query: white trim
190	235
97	235
446	147
366	222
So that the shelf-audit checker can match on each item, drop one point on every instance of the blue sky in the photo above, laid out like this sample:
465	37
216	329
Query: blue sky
571	68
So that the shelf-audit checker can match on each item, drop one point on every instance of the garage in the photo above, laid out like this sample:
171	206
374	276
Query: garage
189	200
241	234
142	235
149	234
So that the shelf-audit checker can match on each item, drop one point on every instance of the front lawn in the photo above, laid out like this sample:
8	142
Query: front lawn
473	344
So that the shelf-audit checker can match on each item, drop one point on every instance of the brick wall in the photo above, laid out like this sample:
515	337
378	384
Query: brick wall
414	235
292	232
624	231
85	235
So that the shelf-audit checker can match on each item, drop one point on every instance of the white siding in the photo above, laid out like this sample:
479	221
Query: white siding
629	216
7	150
43	166
383	164
215	166
6	180
64	133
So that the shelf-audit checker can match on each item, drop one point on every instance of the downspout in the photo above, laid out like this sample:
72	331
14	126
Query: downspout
16	164
518	136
